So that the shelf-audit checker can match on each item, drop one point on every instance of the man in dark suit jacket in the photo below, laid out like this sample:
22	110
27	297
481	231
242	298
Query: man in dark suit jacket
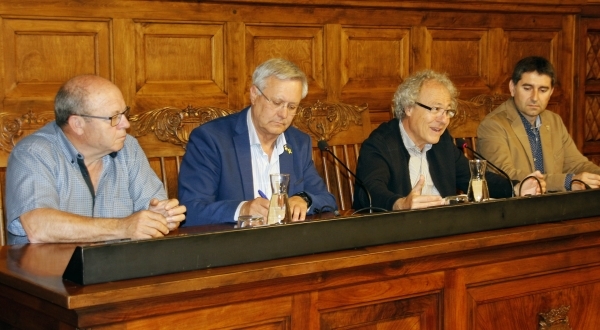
228	160
413	162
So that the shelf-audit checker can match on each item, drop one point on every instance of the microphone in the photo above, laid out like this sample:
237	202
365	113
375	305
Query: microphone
462	144
323	146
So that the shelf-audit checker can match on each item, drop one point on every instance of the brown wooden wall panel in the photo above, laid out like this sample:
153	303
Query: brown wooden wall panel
303	45
463	54
376	61
182	60
40	54
180	53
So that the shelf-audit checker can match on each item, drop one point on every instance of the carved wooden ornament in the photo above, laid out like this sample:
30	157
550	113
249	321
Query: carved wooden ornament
173	125
555	319
13	126
475	109
324	120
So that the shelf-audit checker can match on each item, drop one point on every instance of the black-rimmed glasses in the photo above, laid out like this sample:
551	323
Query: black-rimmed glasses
114	120
292	108
437	110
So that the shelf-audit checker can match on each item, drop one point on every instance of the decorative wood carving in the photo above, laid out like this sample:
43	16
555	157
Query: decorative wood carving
173	125
591	130
471	112
475	109
555	319
592	56
323	120
13	127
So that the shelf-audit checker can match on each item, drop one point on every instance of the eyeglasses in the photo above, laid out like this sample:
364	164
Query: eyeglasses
437	110
114	120
292	108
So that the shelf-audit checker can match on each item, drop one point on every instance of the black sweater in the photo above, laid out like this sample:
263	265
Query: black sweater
383	169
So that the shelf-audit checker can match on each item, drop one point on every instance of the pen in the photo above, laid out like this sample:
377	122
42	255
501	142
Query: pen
262	194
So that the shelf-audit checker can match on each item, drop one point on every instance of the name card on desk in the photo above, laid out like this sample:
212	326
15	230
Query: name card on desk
97	263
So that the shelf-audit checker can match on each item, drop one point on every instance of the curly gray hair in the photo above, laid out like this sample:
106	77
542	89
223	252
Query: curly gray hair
407	93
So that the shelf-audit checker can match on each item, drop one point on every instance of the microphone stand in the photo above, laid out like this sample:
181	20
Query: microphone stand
323	146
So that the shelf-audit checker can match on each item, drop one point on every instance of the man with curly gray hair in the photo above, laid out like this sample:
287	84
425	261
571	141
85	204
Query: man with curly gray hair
411	161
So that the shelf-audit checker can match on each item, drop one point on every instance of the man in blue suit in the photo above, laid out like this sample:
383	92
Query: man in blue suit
230	159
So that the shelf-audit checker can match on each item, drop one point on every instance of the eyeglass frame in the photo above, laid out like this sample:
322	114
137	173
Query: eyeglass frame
118	117
291	112
450	113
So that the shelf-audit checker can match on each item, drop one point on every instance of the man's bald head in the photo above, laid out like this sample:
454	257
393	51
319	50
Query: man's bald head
74	95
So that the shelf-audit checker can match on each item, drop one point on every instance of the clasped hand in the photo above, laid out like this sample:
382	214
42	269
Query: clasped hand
160	218
530	186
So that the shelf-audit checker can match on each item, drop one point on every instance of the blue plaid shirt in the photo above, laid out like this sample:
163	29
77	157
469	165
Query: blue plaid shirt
43	172
533	134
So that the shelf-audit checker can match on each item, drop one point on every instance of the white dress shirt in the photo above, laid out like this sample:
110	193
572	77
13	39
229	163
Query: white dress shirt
418	164
262	166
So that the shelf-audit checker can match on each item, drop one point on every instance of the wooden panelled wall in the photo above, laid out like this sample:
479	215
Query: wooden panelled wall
202	53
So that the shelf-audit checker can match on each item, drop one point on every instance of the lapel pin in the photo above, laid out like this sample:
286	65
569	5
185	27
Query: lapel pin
287	148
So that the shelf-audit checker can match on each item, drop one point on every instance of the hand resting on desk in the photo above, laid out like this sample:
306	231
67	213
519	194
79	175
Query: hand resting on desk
415	200
46	225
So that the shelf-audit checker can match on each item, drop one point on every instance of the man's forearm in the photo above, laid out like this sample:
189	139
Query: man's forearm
53	226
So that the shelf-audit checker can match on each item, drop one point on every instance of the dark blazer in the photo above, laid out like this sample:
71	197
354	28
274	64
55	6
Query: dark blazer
216	172
383	168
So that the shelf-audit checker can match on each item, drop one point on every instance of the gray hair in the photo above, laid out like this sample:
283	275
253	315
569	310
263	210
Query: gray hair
282	69
407	93
71	99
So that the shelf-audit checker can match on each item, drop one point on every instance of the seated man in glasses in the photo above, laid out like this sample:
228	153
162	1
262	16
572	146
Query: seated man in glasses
228	161
81	178
411	161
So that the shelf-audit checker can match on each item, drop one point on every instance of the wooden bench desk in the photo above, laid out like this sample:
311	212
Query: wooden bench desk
500	279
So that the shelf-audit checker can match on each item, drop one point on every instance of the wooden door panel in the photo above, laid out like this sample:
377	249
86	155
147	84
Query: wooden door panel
411	313
411	302
518	304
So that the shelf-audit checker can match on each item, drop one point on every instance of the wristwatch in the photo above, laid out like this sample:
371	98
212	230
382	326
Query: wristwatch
305	197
